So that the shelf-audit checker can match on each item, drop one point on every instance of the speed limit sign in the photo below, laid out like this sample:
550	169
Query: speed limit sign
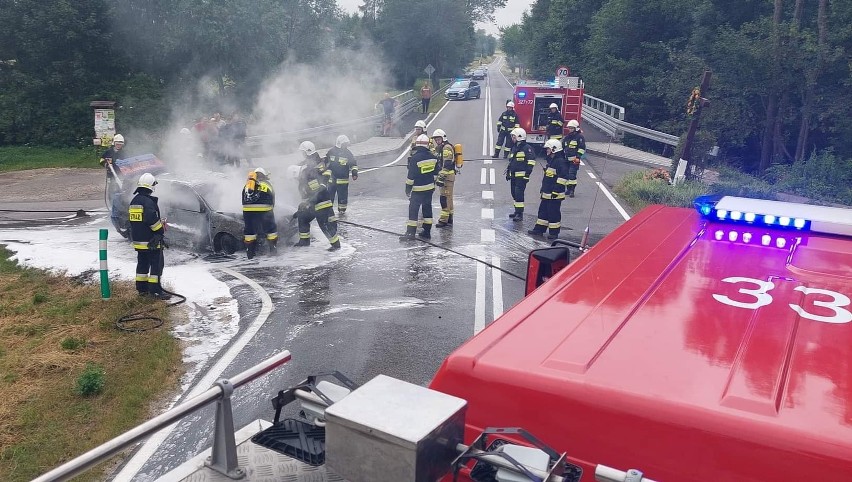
563	71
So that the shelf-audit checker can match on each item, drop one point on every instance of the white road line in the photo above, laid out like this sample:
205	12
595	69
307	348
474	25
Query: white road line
582	163
487	194
613	201
479	304
404	152
493	176
488	161
487	235
496	288
487	213
591	175
213	374
482	175
485	125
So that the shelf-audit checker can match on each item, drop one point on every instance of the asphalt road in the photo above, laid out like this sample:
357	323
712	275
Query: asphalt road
379	305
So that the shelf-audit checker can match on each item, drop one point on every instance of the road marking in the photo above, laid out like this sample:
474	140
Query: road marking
213	374
591	175
582	163
488	161
482	175
613	201
493	176
496	288
487	194
487	213
487	235
485	125
479	304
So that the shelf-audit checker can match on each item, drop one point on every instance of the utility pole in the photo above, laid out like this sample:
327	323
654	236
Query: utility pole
696	103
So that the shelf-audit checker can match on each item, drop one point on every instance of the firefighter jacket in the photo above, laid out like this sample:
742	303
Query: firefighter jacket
145	223
521	161
446	157
422	169
340	162
554	124
313	186
574	146
111	153
508	121
555	177
258	196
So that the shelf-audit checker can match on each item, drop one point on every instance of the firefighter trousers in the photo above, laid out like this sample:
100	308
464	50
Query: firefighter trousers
518	186
572	178
149	269
503	137
549	216
446	197
327	223
341	192
259	223
420	201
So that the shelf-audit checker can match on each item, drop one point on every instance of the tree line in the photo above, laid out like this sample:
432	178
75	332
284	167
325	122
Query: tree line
56	55
782	69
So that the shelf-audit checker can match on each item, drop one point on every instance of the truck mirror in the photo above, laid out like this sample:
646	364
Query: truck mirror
543	264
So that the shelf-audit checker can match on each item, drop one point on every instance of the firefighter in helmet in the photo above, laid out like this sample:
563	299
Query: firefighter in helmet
419	128
518	170
258	216
554	123
316	199
507	121
574	147
114	153
147	234
341	162
445	154
419	187
552	191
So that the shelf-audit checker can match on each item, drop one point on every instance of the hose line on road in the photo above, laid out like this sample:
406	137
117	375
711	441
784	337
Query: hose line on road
430	243
123	323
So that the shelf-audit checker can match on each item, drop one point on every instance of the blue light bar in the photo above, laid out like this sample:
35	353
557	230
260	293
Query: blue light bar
776	214
785	240
522	94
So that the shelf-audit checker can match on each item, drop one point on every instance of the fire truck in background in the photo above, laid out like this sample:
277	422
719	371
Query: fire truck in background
533	98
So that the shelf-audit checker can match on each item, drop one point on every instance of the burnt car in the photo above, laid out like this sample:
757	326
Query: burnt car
463	90
198	216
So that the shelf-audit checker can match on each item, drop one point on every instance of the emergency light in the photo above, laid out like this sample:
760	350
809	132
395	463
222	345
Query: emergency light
522	94
735	236
776	214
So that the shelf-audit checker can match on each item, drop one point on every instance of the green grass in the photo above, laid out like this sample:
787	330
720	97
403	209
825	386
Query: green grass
639	192
18	158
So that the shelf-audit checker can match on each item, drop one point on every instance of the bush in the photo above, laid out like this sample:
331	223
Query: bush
822	176
732	182
640	189
91	381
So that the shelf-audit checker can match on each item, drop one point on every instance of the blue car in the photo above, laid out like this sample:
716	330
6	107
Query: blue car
463	90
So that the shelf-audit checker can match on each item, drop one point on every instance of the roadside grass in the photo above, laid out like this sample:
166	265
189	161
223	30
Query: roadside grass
57	343
438	99
18	158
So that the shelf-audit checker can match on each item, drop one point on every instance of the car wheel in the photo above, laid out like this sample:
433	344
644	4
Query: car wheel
226	243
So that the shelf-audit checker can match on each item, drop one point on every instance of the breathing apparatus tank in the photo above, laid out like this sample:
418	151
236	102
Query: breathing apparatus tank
459	156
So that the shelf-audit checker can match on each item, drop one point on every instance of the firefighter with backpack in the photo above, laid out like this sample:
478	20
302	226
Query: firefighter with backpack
258	218
574	148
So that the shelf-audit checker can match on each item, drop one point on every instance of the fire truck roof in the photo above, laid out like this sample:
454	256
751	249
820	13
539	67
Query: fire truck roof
724	343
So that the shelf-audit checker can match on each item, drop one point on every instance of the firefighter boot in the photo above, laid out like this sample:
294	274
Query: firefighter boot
518	216
570	190
496	153
273	247
450	219
302	242
251	249
334	246
410	231
553	235
426	233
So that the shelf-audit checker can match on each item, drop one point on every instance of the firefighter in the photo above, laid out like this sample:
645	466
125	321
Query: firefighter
554	123
507	121
446	157
147	234
518	170
316	199
419	187
419	128
258	215
108	158
552	191
574	147
341	163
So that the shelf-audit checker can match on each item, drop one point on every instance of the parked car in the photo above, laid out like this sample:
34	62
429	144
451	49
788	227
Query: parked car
196	216
479	74
463	89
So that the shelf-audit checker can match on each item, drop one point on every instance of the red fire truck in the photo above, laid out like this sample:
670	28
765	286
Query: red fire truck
533	98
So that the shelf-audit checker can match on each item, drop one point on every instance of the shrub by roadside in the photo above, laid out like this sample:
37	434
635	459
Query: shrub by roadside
70	380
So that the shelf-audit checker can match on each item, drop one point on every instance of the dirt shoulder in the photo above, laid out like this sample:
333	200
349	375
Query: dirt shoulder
52	184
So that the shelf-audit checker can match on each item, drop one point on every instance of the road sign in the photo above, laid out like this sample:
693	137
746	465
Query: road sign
429	70
563	71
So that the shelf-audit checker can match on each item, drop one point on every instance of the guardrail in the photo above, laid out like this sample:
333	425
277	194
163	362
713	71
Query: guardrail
609	118
224	454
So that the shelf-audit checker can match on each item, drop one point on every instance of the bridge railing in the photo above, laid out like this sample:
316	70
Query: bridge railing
609	118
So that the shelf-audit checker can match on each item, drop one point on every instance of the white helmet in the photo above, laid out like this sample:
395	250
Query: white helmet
308	148
293	172
554	106
422	140
261	171
185	131
118	138
421	124
440	133
519	133
341	140
510	104
147	180
573	124
553	144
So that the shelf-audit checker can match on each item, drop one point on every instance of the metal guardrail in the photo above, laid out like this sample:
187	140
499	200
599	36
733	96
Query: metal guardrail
609	118
224	455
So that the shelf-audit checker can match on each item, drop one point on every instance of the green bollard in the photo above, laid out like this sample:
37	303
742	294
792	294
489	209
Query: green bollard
105	292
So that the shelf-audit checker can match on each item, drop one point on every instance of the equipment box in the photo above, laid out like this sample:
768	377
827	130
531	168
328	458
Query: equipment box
393	431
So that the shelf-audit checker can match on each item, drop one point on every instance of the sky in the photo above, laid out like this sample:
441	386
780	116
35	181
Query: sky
506	16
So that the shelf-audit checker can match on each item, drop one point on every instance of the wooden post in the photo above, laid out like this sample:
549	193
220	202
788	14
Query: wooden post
685	164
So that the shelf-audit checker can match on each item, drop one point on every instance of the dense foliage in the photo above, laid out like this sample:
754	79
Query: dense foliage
58	55
782	76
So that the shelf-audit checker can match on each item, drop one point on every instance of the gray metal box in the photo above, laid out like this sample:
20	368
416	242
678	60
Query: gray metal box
393	431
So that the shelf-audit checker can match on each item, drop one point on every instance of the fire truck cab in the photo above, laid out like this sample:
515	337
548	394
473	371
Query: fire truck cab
532	103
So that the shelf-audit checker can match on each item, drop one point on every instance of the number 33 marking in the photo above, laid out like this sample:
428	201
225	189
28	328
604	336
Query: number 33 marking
759	296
